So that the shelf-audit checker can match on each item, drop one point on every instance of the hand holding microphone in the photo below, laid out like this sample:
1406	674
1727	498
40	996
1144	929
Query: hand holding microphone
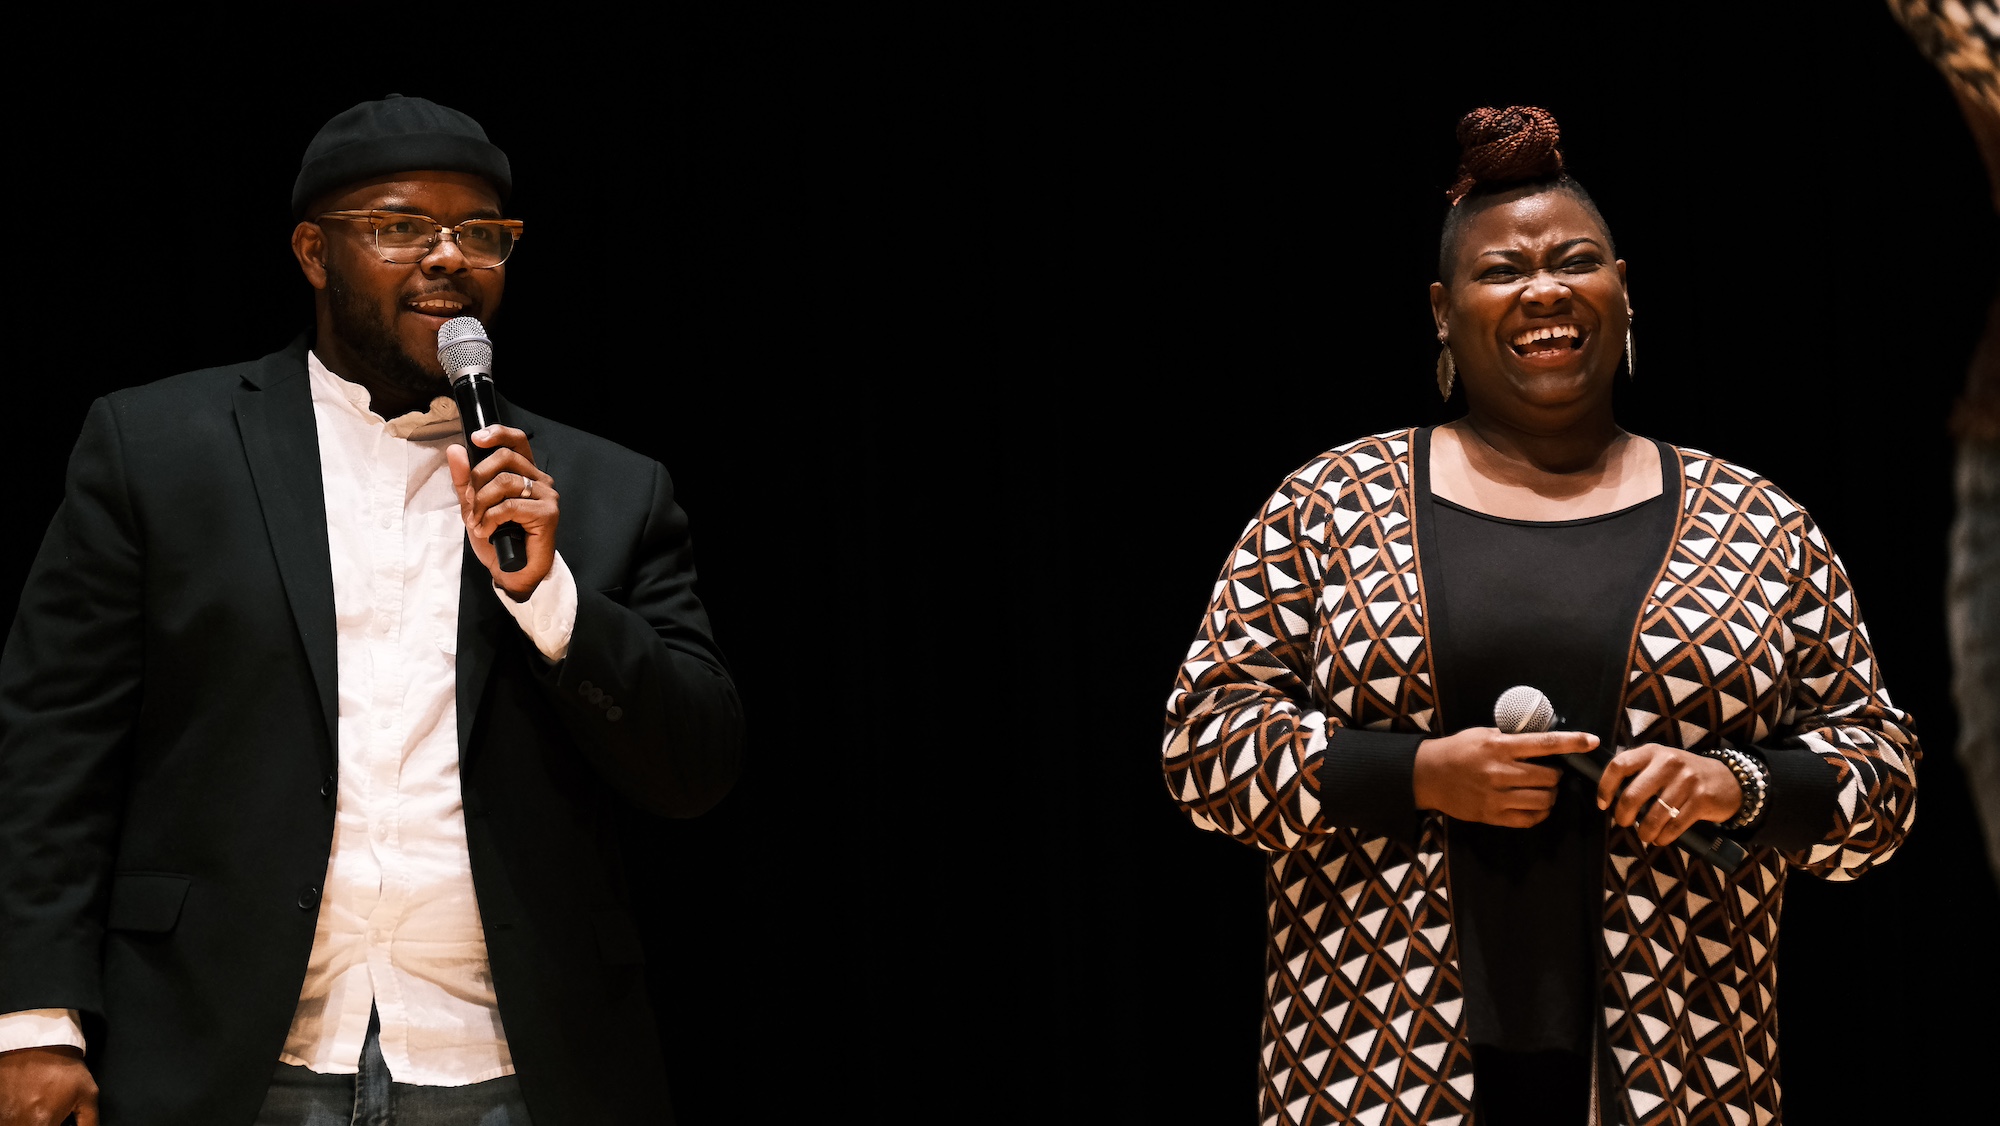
510	506
1494	777
1667	794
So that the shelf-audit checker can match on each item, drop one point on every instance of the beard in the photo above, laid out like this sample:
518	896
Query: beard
369	338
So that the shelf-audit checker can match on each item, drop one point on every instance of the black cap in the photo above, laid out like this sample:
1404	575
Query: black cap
396	134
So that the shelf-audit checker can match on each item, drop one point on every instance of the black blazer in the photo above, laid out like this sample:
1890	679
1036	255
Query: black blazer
168	758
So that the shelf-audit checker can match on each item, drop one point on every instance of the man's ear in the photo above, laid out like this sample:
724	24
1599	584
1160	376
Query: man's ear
310	248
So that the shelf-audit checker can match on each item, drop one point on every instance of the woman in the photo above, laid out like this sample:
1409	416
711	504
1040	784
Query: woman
1459	924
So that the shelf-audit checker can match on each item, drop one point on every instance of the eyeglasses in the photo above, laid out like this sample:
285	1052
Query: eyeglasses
402	237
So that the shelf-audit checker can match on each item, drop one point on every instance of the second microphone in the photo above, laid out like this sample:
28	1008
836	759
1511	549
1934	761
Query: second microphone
1524	709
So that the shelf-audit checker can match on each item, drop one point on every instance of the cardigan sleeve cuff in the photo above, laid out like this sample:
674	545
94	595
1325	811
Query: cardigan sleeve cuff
1801	790
1366	781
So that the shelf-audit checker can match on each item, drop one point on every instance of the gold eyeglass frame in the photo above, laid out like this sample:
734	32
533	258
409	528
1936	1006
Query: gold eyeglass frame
438	231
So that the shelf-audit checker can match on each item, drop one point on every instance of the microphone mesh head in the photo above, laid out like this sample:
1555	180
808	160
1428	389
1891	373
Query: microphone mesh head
463	348
1523	709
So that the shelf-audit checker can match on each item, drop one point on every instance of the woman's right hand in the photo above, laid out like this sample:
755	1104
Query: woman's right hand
1482	774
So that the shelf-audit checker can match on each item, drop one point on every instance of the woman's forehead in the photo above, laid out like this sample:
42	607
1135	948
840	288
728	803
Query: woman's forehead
1536	219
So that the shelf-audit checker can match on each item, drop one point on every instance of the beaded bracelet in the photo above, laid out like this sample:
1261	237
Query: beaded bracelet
1751	777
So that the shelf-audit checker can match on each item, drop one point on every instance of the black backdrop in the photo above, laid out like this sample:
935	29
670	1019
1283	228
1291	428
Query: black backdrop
972	340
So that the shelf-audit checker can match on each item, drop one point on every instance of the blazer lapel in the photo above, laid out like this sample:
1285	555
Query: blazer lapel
480	618
482	621
274	416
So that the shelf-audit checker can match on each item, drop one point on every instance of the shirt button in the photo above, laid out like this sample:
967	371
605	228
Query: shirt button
386	521
308	898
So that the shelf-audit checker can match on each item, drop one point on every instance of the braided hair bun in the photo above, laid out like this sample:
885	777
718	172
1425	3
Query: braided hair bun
1501	150
1498	147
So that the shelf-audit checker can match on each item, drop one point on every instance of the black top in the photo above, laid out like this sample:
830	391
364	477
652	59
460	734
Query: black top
1549	604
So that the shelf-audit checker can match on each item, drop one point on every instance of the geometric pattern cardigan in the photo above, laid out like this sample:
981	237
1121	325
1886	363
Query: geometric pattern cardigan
1314	642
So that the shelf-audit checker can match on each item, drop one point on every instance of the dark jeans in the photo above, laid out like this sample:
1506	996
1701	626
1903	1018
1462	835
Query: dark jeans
303	1097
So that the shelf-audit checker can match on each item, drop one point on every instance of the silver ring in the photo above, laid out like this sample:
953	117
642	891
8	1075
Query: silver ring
1672	813
527	488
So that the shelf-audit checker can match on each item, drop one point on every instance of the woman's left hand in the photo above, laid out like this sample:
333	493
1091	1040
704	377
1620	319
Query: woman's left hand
1688	788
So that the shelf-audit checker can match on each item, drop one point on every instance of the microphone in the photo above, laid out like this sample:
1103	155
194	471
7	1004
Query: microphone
467	357
1524	709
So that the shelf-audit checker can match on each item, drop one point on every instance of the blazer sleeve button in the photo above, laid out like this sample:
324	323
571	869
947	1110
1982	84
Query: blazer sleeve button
308	899
614	714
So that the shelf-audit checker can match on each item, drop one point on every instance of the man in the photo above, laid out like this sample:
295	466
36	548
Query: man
306	805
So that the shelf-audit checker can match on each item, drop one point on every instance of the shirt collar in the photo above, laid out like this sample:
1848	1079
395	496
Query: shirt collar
440	421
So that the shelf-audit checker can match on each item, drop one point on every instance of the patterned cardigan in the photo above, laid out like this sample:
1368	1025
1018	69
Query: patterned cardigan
1315	642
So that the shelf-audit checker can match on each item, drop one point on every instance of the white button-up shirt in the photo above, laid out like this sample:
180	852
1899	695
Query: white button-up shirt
399	926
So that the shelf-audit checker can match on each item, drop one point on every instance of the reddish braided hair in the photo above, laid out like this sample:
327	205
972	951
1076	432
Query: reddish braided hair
1499	150
1505	146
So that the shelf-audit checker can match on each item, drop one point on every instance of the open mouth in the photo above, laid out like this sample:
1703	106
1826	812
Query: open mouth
1547	341
446	305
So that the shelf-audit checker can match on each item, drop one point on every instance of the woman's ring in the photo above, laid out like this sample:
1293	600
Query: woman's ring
1672	813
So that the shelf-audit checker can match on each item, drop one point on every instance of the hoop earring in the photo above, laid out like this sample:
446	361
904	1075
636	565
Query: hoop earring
1447	371
1628	351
